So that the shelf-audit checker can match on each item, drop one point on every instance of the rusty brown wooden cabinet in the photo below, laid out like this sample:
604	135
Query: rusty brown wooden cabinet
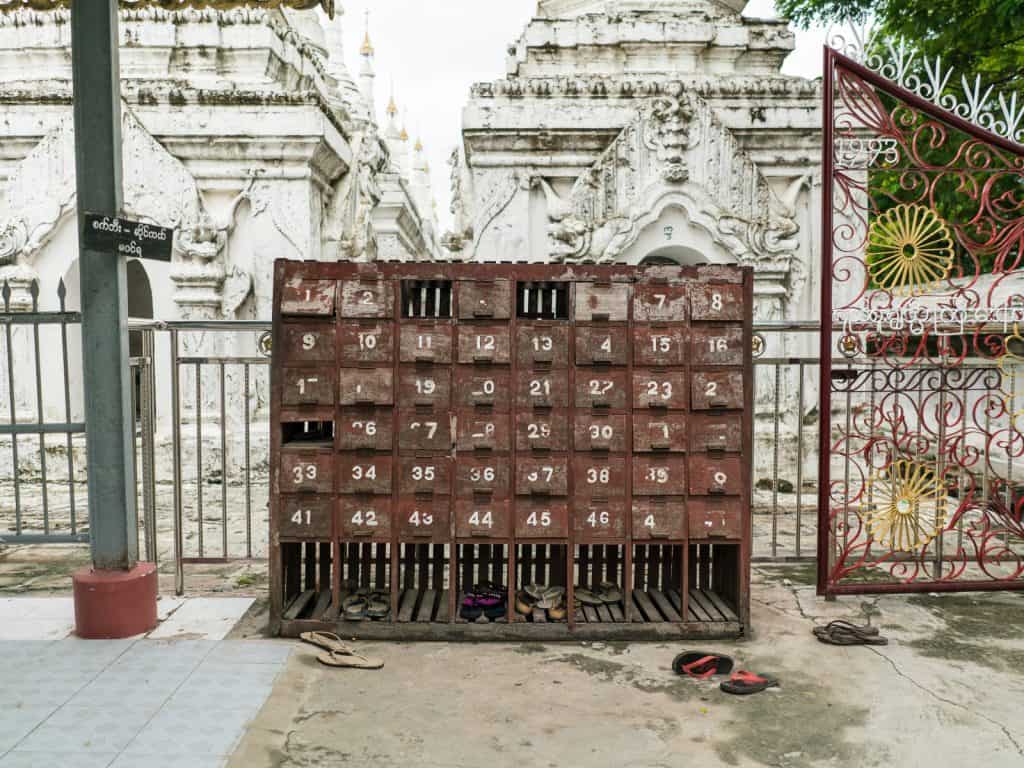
437	425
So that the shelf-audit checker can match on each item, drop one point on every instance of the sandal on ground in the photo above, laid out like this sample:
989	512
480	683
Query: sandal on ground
495	611
354	608
841	632
587	597
535	591
326	640
701	664
609	593
558	612
744	683
469	610
354	660
378	608
524	603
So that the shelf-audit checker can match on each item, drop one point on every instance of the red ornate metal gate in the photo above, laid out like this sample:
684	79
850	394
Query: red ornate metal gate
922	344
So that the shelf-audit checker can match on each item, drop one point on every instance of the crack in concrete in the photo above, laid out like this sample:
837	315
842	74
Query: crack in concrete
950	702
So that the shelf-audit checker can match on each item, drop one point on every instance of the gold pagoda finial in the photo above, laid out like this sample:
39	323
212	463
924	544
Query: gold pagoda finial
367	49
392	107
419	145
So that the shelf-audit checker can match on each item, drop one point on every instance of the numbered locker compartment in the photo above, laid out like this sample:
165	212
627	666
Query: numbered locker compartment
599	477
717	344
483	517
425	475
483	476
482	430
542	344
542	518
660	518
716	432
366	386
659	345
306	517
366	474
481	344
715	518
366	342
714	390
307	472
424	430
655	475
542	389
367	298
426	387
599	519
659	389
716	302
660	431
547	476
602	345
425	343
715	475
600	432
542	430
307	387
365	429
308	343
483	387
364	517
480	300
307	298
602	302
602	388
426	519
659	303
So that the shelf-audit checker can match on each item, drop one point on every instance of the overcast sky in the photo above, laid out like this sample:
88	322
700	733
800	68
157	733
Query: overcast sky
434	51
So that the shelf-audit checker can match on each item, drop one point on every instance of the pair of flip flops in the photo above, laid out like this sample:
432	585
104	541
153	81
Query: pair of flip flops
703	665
337	653
486	600
606	593
540	597
841	632
366	605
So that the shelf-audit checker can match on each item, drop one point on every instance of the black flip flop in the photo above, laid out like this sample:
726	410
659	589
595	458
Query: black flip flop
701	664
744	683
841	632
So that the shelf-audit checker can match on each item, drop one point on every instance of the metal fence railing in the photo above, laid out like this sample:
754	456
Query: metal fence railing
201	400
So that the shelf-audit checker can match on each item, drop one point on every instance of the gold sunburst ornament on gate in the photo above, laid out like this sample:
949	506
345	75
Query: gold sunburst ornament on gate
909	251
907	507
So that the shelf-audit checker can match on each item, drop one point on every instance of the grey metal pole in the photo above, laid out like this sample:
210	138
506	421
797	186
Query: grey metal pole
97	104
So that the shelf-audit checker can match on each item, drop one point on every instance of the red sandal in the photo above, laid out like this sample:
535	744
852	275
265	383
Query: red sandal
701	664
743	683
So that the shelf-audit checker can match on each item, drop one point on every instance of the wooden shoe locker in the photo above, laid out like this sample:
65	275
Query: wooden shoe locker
436	426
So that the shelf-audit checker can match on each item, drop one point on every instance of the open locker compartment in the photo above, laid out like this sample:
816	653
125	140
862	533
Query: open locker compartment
306	568
423	583
658	587
714	583
481	570
599	583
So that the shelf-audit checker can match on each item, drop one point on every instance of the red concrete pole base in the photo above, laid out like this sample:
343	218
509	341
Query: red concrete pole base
115	604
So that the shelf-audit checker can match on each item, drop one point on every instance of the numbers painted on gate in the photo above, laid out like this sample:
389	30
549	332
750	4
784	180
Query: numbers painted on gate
482	474
418	518
309	295
716	302
308	341
301	383
543	344
649	522
542	521
486	388
720	478
368	428
367	299
547	473
711	389
365	517
602	431
486	343
424	342
303	517
538	431
718	345
425	386
427	473
367	341
304	472
660	426
369	472
657	475
486	520
606	345
430	426
540	388
660	389
598	476
488	430
601	386
596	519
661	343
661	298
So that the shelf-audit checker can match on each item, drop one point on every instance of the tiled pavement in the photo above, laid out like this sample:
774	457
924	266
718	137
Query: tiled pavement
145	702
